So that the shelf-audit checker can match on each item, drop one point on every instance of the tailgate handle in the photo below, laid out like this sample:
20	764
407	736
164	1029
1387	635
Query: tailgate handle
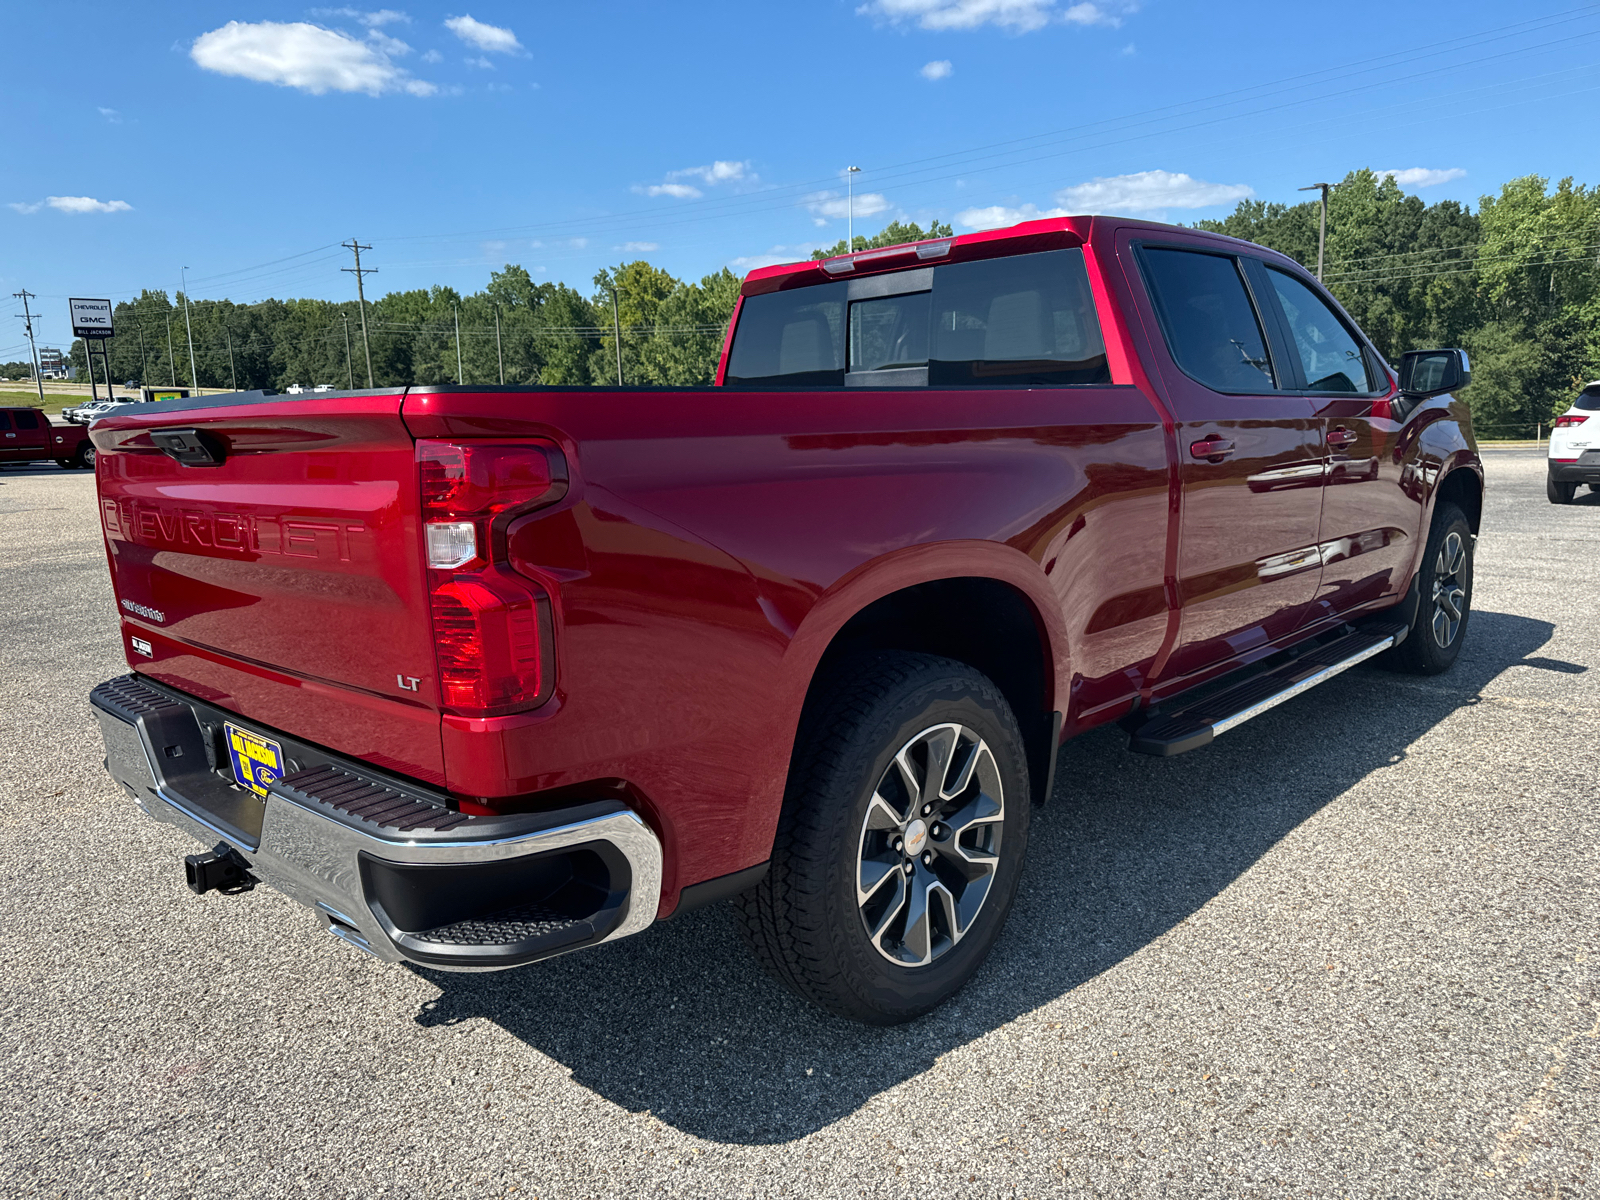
191	447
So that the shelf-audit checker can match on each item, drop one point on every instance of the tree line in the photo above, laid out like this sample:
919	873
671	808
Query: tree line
1516	283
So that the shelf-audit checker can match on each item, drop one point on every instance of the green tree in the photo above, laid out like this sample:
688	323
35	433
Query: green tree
895	233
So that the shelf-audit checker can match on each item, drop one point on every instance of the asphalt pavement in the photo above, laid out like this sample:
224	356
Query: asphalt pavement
1349	950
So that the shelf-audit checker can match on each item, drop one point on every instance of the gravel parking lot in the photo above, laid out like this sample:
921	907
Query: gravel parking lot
1349	950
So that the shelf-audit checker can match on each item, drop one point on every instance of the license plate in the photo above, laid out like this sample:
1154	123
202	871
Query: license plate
257	761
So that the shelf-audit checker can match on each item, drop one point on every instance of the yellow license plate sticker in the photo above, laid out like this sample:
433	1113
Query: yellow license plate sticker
257	761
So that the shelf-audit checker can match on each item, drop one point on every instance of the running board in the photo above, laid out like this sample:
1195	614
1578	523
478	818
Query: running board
1195	725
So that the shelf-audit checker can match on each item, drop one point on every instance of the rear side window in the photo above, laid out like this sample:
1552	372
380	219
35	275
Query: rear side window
1021	321
1211	326
5	420
26	419
794	337
1589	399
1330	357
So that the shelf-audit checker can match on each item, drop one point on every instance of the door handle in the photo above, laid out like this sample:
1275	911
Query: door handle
1341	438
1211	449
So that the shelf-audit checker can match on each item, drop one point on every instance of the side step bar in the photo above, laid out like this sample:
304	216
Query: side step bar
1196	724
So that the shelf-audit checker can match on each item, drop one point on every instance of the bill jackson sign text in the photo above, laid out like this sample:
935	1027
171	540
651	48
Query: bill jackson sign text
91	318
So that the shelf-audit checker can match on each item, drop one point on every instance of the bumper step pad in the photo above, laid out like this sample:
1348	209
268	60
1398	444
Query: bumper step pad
1196	724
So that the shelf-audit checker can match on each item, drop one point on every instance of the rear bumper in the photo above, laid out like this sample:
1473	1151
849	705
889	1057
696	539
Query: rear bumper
1585	470
387	866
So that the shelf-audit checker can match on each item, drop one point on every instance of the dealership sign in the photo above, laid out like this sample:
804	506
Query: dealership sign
91	318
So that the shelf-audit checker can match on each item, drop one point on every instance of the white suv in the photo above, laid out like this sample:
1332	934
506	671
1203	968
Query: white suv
1575	447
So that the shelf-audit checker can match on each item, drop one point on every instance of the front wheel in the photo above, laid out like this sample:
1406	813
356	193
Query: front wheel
1559	493
1444	581
901	839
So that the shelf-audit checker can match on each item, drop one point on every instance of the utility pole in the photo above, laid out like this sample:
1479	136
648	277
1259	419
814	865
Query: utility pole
616	331
460	376
499	357
233	376
1322	233
194	377
27	323
850	174
172	360
349	363
360	272
144	364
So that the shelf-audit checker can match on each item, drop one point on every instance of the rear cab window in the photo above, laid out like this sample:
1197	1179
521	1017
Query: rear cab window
26	418
1019	321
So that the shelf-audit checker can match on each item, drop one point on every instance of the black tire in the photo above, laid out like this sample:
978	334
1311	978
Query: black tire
1434	643
1559	493
805	920
85	456
66	464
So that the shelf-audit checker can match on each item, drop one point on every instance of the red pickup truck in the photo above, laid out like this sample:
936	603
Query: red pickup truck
483	675
26	435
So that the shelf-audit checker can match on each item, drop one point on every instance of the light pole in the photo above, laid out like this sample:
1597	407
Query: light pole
850	174
1322	232
194	379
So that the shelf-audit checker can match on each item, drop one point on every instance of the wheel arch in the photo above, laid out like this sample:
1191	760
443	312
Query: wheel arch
991	620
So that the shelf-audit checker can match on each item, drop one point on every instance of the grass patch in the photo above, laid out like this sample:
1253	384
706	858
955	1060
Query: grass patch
53	404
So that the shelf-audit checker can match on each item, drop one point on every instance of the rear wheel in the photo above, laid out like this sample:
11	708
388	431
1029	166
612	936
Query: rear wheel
1444	582
1559	493
85	455
901	840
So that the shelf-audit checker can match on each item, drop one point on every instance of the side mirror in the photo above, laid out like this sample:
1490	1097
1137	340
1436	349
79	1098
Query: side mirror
1425	373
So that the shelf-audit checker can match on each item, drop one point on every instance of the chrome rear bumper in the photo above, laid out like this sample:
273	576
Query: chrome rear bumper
387	866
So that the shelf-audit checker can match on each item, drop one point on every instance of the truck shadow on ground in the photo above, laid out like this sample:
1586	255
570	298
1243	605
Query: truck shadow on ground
681	1022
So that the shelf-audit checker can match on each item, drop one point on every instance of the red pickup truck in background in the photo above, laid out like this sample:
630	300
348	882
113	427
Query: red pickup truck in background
483	675
26	435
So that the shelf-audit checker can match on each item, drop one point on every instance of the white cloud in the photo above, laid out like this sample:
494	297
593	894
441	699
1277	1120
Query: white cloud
1143	194
392	46
112	115
997	216
638	247
75	205
432	56
1018	16
720	171
304	56
371	19
825	205
937	70
493	38
1423	177
678	191
775	255
1149	192
482	63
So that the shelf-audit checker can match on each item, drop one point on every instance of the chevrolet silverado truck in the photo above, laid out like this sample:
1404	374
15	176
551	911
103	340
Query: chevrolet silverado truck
27	435
483	675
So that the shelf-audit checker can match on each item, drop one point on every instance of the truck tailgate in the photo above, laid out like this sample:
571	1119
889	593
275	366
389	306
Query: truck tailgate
284	582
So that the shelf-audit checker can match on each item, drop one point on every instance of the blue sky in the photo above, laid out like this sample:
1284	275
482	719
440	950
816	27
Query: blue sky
245	140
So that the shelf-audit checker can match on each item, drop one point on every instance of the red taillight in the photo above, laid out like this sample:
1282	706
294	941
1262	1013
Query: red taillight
1569	420
492	628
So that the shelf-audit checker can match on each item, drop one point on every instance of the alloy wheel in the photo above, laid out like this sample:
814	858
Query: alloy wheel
1449	591
930	845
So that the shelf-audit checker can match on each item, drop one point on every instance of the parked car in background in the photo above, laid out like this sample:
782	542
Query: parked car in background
27	435
483	675
132	385
1574	455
